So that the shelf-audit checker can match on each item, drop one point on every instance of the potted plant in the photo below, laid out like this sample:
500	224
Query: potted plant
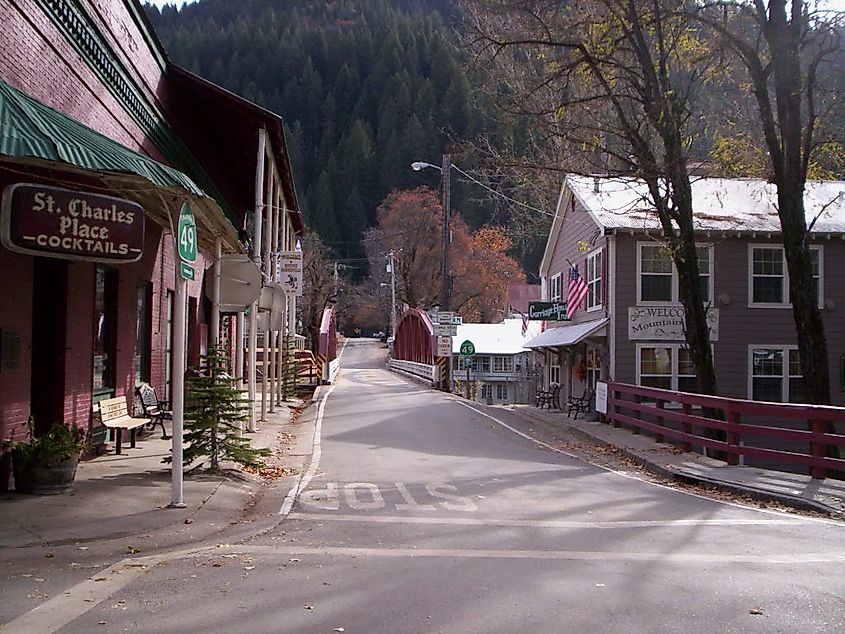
46	464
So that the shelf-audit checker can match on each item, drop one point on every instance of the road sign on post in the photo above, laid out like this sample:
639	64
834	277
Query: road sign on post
186	241
467	351
187	232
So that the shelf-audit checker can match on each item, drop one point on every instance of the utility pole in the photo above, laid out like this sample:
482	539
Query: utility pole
392	294
336	277
446	293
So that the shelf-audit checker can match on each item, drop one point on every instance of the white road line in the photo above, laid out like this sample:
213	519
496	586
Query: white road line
316	452
631	476
57	612
834	558
468	521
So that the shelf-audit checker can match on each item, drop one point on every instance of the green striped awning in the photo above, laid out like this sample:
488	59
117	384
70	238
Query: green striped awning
28	128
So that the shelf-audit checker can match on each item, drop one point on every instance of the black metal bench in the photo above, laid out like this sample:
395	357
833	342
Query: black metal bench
154	409
549	398
580	404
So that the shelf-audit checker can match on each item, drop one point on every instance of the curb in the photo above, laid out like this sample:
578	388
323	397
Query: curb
687	477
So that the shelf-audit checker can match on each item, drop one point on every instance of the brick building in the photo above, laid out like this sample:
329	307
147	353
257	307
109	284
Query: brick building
90	106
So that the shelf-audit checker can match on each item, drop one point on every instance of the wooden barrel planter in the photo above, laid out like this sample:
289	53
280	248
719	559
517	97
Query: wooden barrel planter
45	479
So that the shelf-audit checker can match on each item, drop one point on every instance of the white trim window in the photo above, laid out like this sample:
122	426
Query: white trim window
657	277
487	391
503	364
554	368
666	366
775	374
478	363
502	391
594	280
768	276
555	288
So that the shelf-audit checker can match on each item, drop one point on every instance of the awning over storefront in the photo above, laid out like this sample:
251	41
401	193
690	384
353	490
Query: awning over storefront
30	129
566	335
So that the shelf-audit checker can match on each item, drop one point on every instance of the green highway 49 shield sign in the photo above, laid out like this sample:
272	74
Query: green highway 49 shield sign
187	234
467	348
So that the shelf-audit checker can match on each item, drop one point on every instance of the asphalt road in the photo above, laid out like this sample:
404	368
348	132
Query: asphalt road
423	514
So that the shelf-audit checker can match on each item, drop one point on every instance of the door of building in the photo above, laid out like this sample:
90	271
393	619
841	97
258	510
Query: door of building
49	328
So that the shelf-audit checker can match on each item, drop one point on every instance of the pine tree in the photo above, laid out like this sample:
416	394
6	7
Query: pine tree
215	410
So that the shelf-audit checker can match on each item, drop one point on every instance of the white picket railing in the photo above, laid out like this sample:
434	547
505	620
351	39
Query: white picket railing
419	370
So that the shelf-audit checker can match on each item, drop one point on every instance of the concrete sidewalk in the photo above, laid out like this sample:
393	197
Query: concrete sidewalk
119	509
826	496
116	496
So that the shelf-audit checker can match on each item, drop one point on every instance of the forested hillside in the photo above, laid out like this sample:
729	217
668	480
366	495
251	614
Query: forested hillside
365	88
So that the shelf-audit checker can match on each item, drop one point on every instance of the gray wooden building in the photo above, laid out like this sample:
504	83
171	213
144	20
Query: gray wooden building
630	326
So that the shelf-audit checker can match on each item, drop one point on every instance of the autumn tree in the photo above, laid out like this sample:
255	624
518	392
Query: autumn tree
607	85
409	224
491	270
318	286
788	51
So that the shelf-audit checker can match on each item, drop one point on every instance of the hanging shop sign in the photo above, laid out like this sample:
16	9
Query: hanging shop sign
290	272
61	223
547	311
665	323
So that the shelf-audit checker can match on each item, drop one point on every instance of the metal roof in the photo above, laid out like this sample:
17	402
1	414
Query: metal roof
30	129
503	338
719	204
566	335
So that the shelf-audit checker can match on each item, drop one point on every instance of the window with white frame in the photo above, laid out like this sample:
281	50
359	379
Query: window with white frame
477	363
594	275
769	278
487	391
555	288
667	366
554	368
657	280
776	374
502	391
502	364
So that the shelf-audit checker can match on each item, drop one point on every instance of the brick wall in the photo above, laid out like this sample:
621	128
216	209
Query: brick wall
79	343
36	58
16	314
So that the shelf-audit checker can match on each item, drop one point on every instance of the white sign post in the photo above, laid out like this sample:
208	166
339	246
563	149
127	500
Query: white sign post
601	397
186	250
444	346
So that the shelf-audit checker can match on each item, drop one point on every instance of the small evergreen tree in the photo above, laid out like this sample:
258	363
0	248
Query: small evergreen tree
215	410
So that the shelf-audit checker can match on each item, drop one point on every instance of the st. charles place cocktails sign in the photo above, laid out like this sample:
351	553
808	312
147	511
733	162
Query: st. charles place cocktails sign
54	222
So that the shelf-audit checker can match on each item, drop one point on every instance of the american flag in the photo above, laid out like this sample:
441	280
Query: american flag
576	291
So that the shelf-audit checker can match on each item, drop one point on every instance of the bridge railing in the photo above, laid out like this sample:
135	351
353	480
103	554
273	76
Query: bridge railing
736	427
420	370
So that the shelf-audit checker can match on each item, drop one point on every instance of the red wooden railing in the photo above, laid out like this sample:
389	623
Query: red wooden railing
654	410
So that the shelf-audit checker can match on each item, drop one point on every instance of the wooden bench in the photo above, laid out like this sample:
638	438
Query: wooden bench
154	408
114	414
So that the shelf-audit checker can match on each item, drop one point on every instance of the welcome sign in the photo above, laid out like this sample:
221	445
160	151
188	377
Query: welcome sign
665	323
61	223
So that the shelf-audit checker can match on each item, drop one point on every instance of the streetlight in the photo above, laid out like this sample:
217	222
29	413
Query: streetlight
445	171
